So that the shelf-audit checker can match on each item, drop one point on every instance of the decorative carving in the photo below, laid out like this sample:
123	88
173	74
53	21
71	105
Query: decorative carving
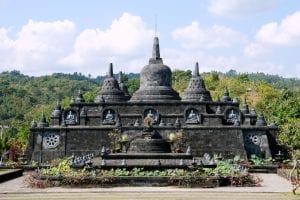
253	139
51	140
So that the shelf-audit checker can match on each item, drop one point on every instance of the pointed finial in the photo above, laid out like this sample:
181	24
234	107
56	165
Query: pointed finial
120	77
155	53
226	96
43	122
110	70
196	69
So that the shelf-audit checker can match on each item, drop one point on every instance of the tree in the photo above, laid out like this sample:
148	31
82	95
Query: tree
289	135
180	80
133	85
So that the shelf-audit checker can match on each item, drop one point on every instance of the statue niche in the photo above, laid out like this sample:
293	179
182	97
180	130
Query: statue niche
151	113
231	116
192	116
70	117
109	117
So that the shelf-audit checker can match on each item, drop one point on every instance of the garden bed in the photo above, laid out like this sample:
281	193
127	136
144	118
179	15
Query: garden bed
41	181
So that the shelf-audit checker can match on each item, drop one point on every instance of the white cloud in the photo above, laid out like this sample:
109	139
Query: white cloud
37	46
5	41
48	47
126	39
256	51
185	59
194	36
238	8
284	33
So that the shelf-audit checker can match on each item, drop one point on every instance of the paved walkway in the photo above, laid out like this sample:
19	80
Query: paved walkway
273	187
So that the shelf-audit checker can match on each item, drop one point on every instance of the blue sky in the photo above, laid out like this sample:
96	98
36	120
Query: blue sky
43	37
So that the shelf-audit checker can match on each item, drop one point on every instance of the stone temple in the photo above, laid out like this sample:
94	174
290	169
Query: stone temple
149	120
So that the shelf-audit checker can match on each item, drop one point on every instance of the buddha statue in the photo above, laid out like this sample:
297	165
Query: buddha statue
192	118
71	118
109	117
232	117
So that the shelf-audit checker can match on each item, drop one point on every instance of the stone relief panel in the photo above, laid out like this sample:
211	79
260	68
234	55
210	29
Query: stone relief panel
51	140
109	117
70	117
192	116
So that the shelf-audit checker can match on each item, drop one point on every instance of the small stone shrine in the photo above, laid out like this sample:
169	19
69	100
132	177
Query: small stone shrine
155	126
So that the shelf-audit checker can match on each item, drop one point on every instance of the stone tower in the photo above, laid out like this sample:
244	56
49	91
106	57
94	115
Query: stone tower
196	90
155	80
110	90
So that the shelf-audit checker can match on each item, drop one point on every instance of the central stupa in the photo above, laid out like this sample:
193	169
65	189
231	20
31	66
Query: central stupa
155	80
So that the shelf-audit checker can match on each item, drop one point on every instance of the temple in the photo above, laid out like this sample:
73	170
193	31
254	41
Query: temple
156	126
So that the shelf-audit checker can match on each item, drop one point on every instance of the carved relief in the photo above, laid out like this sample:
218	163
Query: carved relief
51	140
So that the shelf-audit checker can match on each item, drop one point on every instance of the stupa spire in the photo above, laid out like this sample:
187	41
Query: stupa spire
155	52
110	70
196	70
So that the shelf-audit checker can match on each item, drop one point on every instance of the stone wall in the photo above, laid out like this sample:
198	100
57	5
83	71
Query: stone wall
212	134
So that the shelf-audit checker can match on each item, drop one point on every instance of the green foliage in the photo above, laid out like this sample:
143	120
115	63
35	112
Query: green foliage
224	168
63	167
90	96
180	80
206	177
290	134
132	85
260	161
24	98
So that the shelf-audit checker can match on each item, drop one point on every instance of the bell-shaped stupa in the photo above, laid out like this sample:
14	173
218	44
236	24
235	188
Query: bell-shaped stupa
196	90
155	80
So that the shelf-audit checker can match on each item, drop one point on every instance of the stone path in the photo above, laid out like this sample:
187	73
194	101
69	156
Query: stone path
273	187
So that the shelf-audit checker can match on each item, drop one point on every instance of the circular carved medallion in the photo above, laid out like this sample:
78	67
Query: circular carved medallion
253	139
51	140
